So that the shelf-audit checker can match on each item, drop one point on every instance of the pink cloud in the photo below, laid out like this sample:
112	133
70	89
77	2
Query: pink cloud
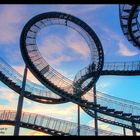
124	51
36	133
30	76
10	96
77	44
85	8
52	49
11	17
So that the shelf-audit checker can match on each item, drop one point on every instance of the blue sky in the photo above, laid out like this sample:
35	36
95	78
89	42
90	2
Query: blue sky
71	53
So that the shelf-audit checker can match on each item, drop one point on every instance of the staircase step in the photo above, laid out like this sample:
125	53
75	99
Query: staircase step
13	84
118	112
98	105
9	81
138	37
127	114
103	108
28	93
134	31
110	110
125	17
2	76
133	24
136	116
127	10
18	87
6	78
125	26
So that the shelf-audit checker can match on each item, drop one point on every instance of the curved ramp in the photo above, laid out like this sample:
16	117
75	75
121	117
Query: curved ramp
48	124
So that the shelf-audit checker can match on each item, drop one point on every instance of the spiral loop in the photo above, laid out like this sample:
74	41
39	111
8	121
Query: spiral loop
43	71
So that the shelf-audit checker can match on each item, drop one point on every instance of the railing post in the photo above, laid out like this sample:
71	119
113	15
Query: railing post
132	65
95	112
133	129
124	66
35	120
20	104
124	132
29	118
78	120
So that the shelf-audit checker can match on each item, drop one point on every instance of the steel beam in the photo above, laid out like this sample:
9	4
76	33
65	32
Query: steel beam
133	129
78	120
20	104
95	112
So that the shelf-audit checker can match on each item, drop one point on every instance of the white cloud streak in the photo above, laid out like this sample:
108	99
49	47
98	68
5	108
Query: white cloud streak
119	41
85	8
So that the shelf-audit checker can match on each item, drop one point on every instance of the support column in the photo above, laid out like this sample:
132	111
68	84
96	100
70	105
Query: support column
124	132
133	129
20	104
95	119
78	120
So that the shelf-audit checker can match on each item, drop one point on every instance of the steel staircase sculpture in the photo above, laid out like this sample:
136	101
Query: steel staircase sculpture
61	89
36	63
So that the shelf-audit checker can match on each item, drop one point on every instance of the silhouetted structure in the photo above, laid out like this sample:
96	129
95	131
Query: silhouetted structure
58	89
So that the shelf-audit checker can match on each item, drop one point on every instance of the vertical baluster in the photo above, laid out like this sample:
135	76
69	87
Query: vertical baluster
29	119
133	129
65	126
124	132
54	121
35	119
60	127
71	124
41	121
22	117
48	122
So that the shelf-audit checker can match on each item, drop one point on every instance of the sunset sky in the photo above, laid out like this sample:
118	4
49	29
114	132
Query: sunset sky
64	50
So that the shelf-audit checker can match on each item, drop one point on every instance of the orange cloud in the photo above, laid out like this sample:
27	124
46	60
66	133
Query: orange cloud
36	133
124	51
78	44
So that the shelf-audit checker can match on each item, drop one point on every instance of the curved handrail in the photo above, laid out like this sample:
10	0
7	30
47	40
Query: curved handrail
48	124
